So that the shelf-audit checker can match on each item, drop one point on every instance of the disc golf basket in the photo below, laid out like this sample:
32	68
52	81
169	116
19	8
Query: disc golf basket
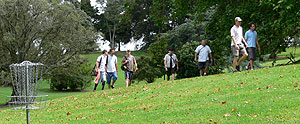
26	82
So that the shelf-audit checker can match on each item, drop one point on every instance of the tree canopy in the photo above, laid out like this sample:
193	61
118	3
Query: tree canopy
42	31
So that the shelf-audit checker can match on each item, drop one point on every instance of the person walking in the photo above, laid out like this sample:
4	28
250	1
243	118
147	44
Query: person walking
202	52
251	38
112	68
101	69
169	61
130	61
237	46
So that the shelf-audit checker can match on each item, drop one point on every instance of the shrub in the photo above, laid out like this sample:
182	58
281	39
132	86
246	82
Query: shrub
158	50
189	68
75	74
147	70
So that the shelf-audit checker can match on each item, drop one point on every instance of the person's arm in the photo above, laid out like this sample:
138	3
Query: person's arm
177	65
233	38
210	55
258	45
97	63
116	64
165	62
124	61
196	54
136	66
244	40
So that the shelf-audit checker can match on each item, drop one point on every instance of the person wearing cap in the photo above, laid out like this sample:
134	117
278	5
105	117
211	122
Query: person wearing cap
251	38
101	69
130	61
169	61
202	52
237	46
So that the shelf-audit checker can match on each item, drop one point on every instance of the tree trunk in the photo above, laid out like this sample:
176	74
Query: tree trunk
119	49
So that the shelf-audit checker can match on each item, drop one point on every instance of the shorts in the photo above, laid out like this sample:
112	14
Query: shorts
113	75
251	53
202	65
170	71
102	77
128	75
236	52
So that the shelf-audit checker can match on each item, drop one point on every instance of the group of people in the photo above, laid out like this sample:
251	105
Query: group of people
106	64
203	54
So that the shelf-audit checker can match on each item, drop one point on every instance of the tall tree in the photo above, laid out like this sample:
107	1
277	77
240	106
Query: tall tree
42	31
113	10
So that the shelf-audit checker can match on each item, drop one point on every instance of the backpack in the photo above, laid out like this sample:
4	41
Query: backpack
124	66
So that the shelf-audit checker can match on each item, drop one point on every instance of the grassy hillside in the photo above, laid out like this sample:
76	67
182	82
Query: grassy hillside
269	95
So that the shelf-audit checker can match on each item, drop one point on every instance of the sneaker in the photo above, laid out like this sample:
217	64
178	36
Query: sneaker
252	69
112	86
235	71
204	74
238	68
246	67
94	91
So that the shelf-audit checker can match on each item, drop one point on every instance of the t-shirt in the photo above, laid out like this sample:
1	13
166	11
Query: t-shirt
237	32
168	59
131	62
251	38
203	52
103	62
111	63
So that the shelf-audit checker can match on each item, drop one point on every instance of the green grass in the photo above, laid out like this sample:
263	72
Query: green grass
268	95
45	88
284	60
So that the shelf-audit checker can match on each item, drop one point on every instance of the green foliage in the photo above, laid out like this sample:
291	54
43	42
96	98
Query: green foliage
50	32
158	50
180	35
73	75
189	68
147	70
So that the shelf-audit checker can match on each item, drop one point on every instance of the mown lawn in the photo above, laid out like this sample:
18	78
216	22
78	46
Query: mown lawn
45	88
268	95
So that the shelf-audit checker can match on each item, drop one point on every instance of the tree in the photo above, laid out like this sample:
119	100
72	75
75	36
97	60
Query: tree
112	15
42	31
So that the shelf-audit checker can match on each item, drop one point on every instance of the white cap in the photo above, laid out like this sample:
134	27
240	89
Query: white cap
238	19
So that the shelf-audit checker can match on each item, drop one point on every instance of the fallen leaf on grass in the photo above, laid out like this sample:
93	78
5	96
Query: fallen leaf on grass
224	102
226	115
239	114
268	87
69	113
246	102
234	109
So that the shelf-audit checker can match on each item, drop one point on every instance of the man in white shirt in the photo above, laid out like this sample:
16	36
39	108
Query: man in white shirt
237	46
112	68
169	60
202	52
101	68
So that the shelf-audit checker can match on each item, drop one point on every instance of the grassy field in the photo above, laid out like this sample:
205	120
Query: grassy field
268	95
45	88
284	60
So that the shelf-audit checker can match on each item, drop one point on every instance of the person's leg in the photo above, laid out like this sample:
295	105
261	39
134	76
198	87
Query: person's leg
115	78
251	63
130	77
96	84
206	67
103	84
201	72
235	53
235	62
109	75
168	73
244	52
127	78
